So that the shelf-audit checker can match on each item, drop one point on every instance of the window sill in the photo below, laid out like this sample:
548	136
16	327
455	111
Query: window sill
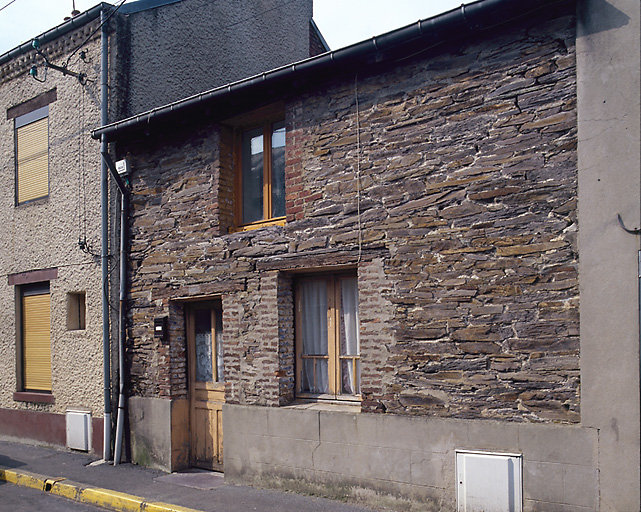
326	405
35	200
37	398
278	221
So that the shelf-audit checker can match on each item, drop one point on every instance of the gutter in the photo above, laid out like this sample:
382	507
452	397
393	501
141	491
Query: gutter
467	20
56	32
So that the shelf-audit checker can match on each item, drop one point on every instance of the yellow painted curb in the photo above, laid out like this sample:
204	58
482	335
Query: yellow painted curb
23	478
105	498
112	500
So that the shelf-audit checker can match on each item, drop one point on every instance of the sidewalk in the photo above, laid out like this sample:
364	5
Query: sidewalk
200	490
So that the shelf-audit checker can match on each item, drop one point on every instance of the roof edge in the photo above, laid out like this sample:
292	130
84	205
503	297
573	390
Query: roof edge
451	25
55	32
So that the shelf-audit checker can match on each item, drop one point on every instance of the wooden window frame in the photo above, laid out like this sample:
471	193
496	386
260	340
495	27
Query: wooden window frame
333	334
24	393
216	311
20	122
267	220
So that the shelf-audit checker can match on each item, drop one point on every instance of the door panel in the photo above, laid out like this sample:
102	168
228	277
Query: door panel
207	389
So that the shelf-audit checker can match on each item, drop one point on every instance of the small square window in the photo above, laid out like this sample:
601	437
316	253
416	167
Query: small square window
76	311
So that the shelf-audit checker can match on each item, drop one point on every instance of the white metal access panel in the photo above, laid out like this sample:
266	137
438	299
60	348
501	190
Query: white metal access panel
489	482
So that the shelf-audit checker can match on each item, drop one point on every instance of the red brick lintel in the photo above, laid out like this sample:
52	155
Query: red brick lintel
32	276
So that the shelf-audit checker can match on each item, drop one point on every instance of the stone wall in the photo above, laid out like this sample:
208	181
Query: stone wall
448	180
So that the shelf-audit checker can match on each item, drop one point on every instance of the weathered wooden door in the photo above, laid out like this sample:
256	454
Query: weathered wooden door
206	381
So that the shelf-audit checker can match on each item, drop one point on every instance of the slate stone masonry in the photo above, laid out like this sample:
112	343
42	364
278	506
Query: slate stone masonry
452	189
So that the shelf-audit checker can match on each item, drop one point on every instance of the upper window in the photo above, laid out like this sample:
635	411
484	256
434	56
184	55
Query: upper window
32	155
327	337
261	180
36	343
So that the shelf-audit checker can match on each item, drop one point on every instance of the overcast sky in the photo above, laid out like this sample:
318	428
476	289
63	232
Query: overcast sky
342	22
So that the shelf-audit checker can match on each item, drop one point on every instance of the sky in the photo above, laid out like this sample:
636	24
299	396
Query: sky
342	22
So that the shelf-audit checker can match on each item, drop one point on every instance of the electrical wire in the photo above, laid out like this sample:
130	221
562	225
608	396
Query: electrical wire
94	32
7	5
358	171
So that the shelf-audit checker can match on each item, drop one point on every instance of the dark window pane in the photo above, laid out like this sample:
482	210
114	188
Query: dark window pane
203	345
278	170
252	163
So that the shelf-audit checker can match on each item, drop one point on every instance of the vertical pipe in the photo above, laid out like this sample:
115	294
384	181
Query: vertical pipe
104	193
124	205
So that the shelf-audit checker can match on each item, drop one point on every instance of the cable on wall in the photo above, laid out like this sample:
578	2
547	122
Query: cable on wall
114	11
358	171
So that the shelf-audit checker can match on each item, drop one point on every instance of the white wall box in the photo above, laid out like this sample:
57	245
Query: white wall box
78	429
489	482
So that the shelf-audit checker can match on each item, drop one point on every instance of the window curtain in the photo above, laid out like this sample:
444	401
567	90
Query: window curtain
314	334
350	345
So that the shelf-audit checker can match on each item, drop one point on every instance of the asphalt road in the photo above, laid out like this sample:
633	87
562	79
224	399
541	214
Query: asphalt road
23	499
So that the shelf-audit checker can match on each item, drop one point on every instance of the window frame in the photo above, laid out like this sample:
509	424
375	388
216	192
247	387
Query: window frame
215	309
29	290
20	122
334	357
267	128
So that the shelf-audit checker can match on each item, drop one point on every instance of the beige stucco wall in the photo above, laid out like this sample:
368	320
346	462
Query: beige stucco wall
44	233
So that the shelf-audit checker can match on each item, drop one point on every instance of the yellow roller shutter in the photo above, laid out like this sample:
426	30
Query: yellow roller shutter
33	160
36	342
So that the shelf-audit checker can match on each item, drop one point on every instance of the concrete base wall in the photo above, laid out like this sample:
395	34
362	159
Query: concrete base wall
404	462
159	430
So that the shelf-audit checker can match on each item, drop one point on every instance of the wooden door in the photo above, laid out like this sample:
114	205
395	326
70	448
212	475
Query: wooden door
206	381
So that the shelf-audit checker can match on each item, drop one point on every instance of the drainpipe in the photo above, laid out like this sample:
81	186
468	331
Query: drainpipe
124	206
104	192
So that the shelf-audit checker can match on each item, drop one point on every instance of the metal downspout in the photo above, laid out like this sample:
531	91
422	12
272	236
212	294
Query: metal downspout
104	192
124	206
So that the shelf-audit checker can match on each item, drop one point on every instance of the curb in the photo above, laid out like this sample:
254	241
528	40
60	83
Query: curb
105	498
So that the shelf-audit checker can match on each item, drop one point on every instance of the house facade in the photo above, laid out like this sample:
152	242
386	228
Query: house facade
396	271
51	293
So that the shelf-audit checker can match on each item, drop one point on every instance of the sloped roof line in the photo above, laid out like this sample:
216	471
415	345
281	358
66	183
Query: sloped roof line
55	32
463	21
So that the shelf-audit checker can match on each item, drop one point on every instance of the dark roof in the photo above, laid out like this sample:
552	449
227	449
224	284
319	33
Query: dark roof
478	17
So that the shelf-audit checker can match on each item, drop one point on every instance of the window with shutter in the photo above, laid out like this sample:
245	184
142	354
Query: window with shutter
36	342
32	155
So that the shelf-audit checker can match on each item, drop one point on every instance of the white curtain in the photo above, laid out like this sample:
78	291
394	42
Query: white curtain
350	346
220	366
314	329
